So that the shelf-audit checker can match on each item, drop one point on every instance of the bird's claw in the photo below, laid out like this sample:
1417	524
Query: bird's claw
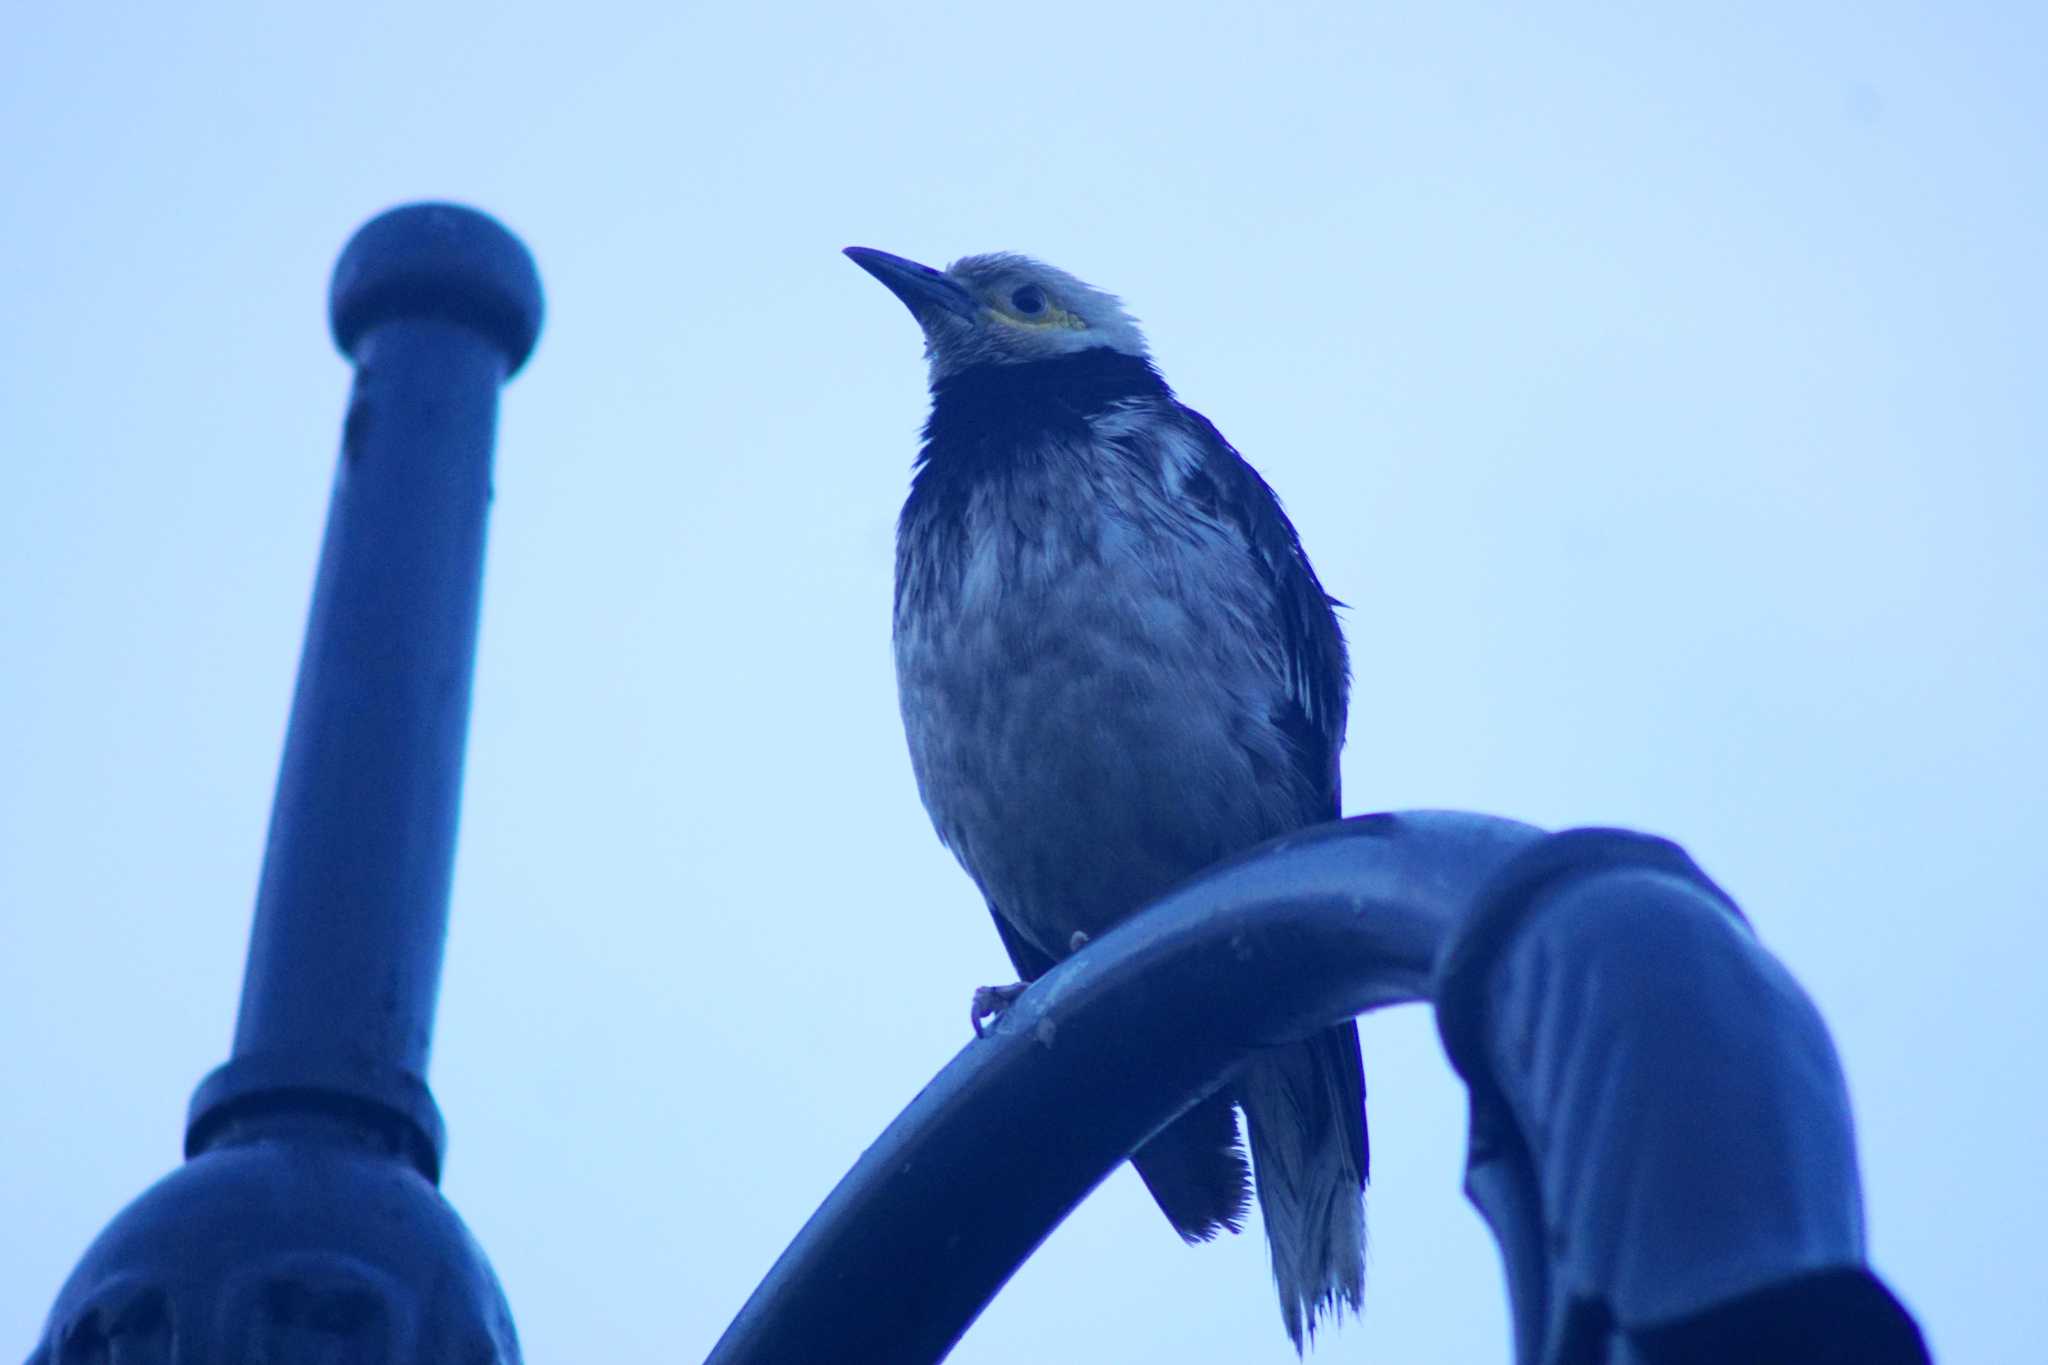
990	1002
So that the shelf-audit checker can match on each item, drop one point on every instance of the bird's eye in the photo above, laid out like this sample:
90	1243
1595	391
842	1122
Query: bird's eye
1028	300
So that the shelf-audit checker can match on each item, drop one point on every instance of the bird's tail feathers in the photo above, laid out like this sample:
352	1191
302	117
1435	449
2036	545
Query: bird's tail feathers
1195	1169
1305	1118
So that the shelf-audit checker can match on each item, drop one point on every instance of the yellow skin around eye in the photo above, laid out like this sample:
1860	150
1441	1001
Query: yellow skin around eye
1053	316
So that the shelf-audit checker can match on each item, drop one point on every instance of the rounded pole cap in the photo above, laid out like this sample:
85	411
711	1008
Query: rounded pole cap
439	261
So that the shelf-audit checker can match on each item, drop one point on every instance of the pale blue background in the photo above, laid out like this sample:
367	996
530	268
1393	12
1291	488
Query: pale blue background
1664	393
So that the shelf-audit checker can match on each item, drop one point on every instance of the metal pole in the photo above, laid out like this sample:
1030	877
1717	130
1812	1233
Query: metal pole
304	1224
438	306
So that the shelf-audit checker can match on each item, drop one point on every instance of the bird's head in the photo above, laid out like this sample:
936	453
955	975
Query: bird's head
1001	309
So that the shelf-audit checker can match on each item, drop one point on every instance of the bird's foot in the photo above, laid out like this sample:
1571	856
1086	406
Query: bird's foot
1078	941
990	1002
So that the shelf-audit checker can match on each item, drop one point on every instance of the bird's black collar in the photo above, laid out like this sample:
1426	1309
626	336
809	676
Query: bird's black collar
1034	399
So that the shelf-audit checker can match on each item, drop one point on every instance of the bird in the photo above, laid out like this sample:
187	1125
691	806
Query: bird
1116	666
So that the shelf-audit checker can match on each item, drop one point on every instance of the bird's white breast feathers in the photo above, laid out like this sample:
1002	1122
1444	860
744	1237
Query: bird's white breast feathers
1088	693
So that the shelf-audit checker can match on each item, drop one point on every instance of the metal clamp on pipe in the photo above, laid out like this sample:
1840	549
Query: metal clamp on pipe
1660	1133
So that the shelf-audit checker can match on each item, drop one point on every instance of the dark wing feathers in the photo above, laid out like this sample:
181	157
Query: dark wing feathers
1319	672
1029	962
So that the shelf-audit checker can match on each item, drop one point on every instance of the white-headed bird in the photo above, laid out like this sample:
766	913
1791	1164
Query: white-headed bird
1117	667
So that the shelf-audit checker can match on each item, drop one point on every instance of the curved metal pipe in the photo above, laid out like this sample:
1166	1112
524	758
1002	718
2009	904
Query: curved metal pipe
1097	1056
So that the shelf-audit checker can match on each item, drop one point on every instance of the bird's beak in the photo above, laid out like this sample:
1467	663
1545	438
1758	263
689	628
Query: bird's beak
923	290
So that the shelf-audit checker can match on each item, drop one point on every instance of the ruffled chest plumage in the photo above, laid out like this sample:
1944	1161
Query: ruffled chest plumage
1100	683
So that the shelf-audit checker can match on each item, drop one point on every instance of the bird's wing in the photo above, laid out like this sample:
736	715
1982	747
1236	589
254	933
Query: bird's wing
1229	491
1030	963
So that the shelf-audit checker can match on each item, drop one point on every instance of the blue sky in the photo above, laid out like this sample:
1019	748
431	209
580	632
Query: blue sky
1663	392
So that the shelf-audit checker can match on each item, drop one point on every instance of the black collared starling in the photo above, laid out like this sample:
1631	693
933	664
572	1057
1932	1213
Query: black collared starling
1117	667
